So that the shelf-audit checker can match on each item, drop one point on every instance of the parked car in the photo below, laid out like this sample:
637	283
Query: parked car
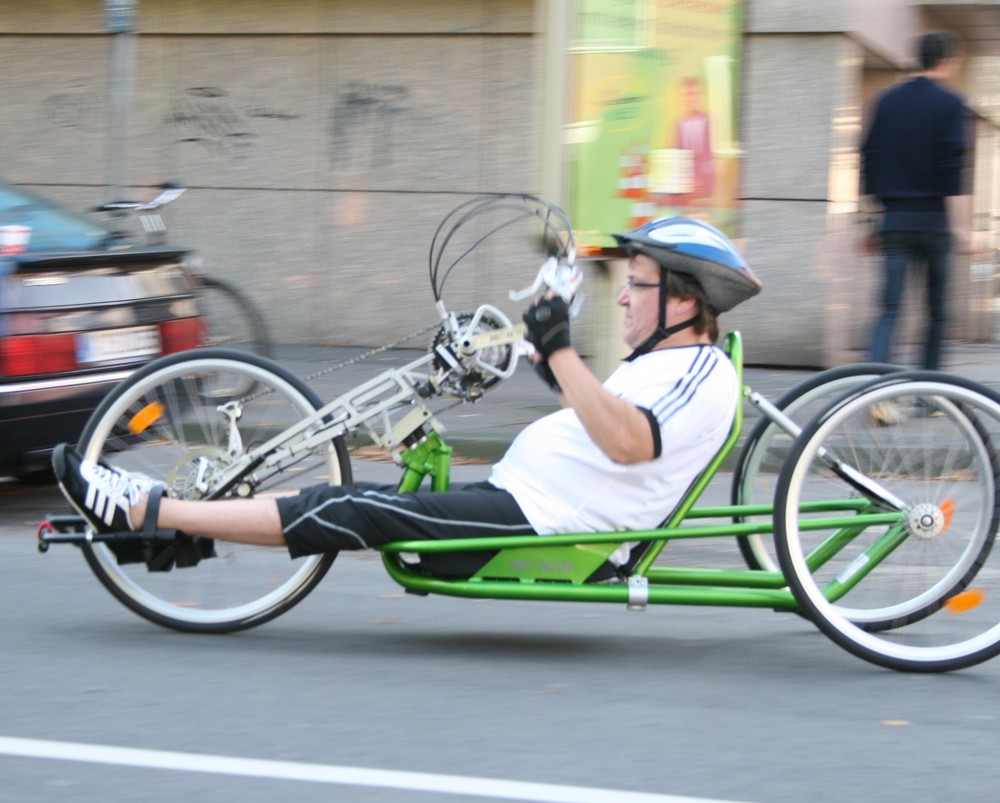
80	308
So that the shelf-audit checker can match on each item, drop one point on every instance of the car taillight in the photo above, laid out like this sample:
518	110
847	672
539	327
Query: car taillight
182	334
25	355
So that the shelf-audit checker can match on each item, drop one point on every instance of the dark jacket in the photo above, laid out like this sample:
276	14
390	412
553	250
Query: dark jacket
914	153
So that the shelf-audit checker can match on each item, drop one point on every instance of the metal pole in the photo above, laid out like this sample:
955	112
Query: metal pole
119	19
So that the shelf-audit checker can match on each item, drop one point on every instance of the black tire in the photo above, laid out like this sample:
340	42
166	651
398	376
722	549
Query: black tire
929	601
160	422
234	322
766	448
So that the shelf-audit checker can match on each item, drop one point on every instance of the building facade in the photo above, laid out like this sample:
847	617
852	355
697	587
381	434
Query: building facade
324	140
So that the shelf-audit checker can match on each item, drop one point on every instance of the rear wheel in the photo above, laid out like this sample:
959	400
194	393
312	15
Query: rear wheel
766	448
920	589
162	423
234	322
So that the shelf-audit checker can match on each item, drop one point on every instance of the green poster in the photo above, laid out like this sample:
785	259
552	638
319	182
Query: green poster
654	128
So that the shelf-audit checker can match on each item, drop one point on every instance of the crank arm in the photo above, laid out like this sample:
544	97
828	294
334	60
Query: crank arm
73	529
499	337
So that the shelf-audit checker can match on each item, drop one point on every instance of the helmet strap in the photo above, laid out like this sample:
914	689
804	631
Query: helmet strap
662	330
661	333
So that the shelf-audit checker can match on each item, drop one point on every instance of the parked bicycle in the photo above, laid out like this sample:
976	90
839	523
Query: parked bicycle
233	320
880	531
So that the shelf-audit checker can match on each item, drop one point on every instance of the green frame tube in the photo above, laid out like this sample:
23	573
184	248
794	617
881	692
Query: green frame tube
666	585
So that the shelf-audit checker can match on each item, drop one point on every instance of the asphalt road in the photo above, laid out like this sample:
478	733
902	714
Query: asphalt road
364	693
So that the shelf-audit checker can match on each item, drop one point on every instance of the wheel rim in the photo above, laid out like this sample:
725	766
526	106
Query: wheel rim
242	584
762	465
943	464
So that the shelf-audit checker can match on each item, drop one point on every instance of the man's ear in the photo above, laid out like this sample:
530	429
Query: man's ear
686	304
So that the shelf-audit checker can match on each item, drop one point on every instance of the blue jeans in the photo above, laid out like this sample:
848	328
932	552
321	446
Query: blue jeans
901	250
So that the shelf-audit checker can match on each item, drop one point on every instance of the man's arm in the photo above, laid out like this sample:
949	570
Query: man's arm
624	432
953	161
620	429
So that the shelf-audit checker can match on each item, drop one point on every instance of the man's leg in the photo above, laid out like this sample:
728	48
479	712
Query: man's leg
896	252
937	250
246	521
356	517
319	519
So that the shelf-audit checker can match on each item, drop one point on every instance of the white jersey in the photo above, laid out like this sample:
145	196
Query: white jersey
564	483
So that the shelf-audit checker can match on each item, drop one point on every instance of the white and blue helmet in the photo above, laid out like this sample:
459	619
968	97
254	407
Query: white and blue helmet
690	246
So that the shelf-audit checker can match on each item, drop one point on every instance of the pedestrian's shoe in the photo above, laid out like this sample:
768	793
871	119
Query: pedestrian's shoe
926	408
100	493
886	413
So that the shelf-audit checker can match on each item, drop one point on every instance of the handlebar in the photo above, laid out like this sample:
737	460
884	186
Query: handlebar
562	278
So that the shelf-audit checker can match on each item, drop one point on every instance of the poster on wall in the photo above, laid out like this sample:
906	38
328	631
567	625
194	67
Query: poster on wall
654	113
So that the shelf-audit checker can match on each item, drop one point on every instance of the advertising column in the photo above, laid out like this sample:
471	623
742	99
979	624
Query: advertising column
654	128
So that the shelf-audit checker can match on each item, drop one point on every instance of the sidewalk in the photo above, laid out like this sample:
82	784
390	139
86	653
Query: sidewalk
482	431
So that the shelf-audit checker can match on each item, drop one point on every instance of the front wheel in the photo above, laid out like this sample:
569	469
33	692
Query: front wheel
162	423
917	586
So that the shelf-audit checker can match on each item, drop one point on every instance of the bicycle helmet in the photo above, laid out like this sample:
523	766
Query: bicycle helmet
690	246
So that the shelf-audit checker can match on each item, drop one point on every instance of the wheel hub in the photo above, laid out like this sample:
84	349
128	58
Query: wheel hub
925	521
193	476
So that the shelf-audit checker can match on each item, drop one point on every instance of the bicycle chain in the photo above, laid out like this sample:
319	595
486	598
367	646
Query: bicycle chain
370	353
352	361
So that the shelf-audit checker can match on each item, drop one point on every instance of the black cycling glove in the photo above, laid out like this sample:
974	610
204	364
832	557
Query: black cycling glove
548	325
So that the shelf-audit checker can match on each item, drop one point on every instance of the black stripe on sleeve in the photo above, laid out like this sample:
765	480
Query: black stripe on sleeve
654	425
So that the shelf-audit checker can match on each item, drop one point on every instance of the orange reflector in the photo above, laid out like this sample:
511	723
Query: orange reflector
147	416
947	508
966	600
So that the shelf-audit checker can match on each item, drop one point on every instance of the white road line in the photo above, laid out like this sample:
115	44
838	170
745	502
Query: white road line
322	773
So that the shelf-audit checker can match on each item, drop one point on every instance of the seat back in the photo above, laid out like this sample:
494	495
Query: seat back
643	555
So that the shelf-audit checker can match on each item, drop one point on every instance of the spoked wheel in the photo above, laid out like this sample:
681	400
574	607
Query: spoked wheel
162	423
918	589
234	322
766	448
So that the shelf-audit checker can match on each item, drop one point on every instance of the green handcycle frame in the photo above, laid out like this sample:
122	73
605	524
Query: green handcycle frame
556	567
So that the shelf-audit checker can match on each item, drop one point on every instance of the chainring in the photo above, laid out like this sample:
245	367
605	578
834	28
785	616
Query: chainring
475	381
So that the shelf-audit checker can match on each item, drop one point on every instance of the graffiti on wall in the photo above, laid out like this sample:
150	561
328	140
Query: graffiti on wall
364	123
78	106
206	116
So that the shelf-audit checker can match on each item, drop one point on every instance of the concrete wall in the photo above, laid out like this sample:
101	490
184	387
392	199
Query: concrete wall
323	141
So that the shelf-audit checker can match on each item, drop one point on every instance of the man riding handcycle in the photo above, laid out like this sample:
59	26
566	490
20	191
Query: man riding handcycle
618	456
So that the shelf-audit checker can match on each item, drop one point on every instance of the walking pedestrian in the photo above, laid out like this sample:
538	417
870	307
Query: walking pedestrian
913	156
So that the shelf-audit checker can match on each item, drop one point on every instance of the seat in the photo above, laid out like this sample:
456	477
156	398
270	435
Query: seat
641	553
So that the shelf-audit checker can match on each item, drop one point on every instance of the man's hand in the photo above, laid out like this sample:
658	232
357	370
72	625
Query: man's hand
548	325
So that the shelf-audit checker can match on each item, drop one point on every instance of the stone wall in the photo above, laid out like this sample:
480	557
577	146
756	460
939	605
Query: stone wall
322	142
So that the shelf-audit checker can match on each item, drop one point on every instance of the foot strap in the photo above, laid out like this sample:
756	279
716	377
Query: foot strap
152	510
181	550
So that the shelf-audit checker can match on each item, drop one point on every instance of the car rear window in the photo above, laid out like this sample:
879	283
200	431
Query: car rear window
52	228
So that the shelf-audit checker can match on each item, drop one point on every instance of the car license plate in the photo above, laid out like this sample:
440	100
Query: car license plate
117	345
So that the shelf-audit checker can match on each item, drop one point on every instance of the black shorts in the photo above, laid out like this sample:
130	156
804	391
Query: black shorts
326	518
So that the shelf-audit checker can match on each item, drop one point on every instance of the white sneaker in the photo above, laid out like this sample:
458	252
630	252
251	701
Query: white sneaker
100	493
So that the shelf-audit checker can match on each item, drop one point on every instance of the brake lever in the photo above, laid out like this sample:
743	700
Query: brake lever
563	278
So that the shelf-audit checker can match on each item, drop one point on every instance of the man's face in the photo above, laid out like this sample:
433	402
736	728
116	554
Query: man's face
641	299
641	303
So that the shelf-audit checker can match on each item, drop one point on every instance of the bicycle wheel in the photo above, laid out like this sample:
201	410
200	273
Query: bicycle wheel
766	448
162	423
233	321
919	591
